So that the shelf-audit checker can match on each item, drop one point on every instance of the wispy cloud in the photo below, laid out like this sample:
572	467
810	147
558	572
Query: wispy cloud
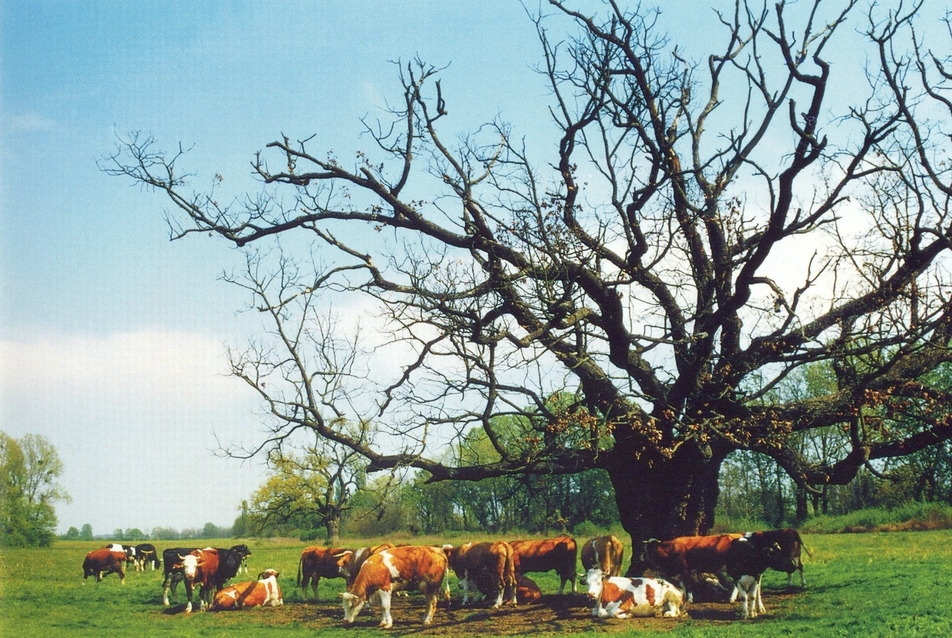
29	122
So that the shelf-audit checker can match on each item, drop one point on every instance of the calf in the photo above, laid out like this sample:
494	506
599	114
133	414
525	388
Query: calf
559	554
527	591
264	592
410	567
605	552
102	562
486	566
622	597
316	563
747	560
787	553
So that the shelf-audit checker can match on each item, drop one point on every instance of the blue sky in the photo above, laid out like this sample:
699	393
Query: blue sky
112	338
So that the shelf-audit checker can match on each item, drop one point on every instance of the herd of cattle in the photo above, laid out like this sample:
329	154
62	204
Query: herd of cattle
731	565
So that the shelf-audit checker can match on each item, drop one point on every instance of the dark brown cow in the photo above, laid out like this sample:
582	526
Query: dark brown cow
786	556
526	590
487	567
102	562
316	563
677	558
604	552
559	554
409	567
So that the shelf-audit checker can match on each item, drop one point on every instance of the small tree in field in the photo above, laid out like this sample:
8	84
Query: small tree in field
702	229
29	467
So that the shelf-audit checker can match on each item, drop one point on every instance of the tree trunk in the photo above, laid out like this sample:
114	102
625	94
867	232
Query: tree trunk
661	497
332	525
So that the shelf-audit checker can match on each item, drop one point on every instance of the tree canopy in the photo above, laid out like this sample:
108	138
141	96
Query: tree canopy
704	227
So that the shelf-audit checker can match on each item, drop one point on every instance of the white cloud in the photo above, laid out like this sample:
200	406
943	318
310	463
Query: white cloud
29	122
136	418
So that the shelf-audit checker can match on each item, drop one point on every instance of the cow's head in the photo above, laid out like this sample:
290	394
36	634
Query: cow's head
242	550
190	564
594	578
352	606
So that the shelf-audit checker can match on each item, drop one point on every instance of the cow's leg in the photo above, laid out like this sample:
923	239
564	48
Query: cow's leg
386	620
165	591
760	600
188	595
464	585
803	581
431	606
315	583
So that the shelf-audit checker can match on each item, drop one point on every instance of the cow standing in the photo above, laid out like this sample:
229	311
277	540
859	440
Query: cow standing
622	597
605	552
230	560
264	592
679	557
747	560
201	569
559	554
786	556
102	562
350	561
489	567
316	563
409	567
146	554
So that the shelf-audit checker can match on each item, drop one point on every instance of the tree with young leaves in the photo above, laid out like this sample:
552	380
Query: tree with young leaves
704	227
29	467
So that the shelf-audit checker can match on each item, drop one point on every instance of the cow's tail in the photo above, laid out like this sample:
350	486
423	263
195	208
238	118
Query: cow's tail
300	565
802	544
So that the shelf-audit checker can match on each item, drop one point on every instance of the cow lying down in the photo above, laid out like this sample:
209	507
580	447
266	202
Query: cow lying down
263	592
622	597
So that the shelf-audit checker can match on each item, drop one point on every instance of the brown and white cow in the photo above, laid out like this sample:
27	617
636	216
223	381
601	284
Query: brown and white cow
679	557
102	562
201	569
350	561
605	552
409	567
622	597
487	567
264	592
316	563
559	554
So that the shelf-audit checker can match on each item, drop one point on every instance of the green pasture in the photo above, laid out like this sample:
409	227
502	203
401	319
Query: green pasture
880	584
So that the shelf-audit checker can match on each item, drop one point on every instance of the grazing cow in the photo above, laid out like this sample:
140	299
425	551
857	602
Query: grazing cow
527	591
230	561
102	562
486	566
604	552
786	556
747	560
146	554
316	563
678	557
349	561
623	597
545	555
410	567
264	592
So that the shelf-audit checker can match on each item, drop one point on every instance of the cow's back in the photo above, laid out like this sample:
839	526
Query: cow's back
544	555
419	567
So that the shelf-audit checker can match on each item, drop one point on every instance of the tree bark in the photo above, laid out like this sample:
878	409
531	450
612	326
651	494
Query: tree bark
665	497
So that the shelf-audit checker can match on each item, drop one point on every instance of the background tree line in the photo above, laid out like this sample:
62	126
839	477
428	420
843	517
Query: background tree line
754	489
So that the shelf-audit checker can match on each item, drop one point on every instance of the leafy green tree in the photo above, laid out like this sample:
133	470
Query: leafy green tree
72	534
86	533
307	491
29	467
695	230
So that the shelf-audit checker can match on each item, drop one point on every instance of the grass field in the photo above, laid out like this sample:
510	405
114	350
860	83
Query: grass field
883	584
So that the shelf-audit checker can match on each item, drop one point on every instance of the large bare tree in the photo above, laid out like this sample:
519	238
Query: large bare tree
703	228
